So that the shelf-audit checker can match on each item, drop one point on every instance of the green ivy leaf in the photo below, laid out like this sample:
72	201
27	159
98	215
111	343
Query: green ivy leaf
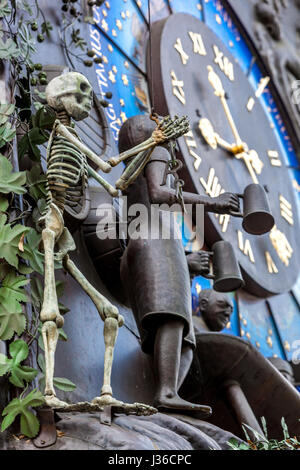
23	268
12	293
40	94
46	27
11	181
30	141
4	366
31	251
26	42
36	181
11	323
64	384
59	382
36	290
3	204
25	6
44	118
18	351
5	268
6	109
7	133
37	105
19	406
5	10
9	49
60	286
9	240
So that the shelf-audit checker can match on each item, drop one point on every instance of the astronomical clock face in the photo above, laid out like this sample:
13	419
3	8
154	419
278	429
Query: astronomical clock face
230	145
234	139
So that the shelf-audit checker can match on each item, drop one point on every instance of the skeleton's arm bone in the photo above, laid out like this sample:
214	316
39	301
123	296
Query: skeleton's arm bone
61	129
147	144
109	188
134	169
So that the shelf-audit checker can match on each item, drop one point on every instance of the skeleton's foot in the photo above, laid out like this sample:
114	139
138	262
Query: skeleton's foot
54	402
107	400
139	409
172	402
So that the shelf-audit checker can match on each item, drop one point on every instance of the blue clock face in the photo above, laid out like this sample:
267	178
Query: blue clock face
119	36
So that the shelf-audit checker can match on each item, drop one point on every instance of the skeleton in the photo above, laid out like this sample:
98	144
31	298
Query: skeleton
70	95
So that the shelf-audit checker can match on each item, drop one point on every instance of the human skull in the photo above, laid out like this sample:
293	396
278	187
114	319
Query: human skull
71	92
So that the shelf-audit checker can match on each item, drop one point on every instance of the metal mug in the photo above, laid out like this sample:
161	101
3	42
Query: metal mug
226	271
257	217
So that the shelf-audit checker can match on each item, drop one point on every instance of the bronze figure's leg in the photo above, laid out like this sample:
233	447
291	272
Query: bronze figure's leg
167	357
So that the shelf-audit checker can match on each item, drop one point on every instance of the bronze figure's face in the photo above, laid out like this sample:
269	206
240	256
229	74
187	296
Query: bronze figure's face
216	309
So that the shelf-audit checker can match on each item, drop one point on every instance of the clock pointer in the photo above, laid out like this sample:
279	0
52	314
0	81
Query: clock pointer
239	148
213	139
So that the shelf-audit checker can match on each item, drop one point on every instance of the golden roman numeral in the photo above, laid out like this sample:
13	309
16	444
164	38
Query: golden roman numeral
260	89
191	144
274	158
261	86
177	87
198	43
272	268
178	46
281	245
214	189
286	210
224	63
250	103
245	246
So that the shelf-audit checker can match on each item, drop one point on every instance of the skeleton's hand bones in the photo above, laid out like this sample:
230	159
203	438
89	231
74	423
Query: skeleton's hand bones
166	130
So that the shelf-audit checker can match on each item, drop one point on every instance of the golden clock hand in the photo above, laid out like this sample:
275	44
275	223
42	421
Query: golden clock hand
239	149
216	83
212	138
247	159
250	157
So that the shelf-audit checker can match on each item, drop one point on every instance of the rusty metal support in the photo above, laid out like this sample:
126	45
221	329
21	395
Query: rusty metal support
47	435
106	415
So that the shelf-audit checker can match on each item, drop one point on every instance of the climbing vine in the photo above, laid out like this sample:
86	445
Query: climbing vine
25	125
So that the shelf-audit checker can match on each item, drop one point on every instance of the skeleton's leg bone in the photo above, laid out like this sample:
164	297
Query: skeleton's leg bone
104	306
112	320
54	226
110	332
50	337
50	310
50	316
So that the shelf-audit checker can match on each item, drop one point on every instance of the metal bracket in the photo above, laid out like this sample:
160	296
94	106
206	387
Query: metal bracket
47	435
106	415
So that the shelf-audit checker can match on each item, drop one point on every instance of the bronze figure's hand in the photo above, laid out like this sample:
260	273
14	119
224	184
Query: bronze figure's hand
198	263
227	203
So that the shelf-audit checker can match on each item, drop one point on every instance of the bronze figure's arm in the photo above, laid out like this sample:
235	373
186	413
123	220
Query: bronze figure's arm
162	194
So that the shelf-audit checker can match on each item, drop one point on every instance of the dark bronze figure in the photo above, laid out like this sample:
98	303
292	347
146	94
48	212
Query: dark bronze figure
155	273
284	367
215	309
226	273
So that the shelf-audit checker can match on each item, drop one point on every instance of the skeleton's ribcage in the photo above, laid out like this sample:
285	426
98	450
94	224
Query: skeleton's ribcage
67	174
